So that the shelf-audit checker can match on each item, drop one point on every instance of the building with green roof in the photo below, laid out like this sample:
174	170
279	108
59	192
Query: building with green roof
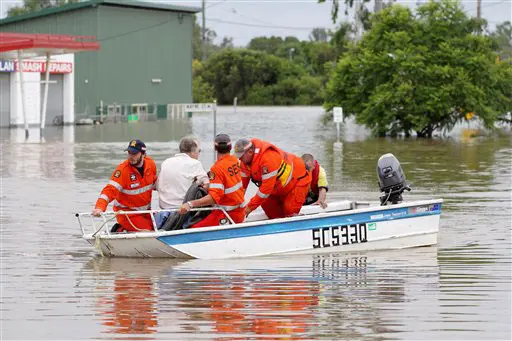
145	54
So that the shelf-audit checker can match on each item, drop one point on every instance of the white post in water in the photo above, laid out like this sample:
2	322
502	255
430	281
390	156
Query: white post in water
235	100
23	99
45	95
101	111
337	114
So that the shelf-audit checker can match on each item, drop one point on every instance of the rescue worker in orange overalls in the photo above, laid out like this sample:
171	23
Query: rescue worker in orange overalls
130	188
282	178
226	189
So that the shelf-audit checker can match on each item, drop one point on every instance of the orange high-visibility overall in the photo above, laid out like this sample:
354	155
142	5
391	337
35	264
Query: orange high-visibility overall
282	179
130	191
227	191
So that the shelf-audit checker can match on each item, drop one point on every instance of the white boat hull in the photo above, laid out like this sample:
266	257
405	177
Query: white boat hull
345	230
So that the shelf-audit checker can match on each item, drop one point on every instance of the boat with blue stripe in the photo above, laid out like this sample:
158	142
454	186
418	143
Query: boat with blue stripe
344	226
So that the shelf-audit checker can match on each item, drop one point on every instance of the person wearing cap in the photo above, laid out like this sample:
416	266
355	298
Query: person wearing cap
225	190
177	174
282	178
130	189
318	192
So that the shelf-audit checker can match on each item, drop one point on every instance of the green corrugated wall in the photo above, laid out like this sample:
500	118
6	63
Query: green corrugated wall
137	45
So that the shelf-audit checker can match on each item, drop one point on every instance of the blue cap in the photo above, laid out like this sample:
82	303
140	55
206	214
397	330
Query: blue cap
135	146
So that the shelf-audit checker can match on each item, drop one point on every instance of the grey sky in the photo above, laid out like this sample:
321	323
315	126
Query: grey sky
245	19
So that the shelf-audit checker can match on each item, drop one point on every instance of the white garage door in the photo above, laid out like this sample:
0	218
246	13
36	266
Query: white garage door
5	99
55	106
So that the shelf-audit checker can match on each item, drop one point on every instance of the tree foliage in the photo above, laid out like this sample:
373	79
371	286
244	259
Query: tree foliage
421	73
274	70
319	34
255	77
316	56
202	91
363	8
29	6
198	50
503	38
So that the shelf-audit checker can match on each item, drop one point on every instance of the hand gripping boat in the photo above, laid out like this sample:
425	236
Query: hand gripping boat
344	226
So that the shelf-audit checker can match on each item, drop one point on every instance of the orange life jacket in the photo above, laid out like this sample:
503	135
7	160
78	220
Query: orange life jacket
275	172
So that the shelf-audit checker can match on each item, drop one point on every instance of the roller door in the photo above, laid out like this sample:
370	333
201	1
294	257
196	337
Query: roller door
5	99
55	106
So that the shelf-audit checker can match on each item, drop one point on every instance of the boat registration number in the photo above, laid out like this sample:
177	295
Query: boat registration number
340	235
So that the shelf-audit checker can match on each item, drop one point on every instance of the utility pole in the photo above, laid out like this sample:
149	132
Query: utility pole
479	13
203	33
357	20
378	6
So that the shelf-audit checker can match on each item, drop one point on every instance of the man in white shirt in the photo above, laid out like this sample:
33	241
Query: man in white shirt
176	176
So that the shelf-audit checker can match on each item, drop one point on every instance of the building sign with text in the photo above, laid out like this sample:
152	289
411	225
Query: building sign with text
35	66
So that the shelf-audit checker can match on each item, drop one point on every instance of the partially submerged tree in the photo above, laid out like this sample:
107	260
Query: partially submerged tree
418	74
255	77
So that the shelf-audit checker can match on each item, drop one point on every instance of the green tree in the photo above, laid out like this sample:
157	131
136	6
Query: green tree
197	45
305	90
256	77
268	45
233	72
421	73
209	47
364	11
202	91
341	38
317	54
227	43
319	34
503	37
29	6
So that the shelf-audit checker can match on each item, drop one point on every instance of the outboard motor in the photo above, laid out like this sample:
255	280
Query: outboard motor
391	179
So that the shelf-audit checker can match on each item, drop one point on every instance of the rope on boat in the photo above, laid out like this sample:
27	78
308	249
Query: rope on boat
102	226
96	237
135	227
97	246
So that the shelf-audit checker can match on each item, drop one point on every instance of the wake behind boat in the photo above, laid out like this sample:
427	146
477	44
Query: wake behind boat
344	226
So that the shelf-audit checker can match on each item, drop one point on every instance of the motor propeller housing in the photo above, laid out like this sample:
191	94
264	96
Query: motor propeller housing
392	181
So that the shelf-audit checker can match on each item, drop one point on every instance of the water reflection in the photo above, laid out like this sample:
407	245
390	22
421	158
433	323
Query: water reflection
255	298
49	157
245	304
126	295
132	309
292	298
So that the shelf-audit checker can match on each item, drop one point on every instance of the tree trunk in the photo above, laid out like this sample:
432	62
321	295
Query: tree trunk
426	132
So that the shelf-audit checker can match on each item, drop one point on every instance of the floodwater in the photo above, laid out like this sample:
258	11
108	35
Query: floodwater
53	286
